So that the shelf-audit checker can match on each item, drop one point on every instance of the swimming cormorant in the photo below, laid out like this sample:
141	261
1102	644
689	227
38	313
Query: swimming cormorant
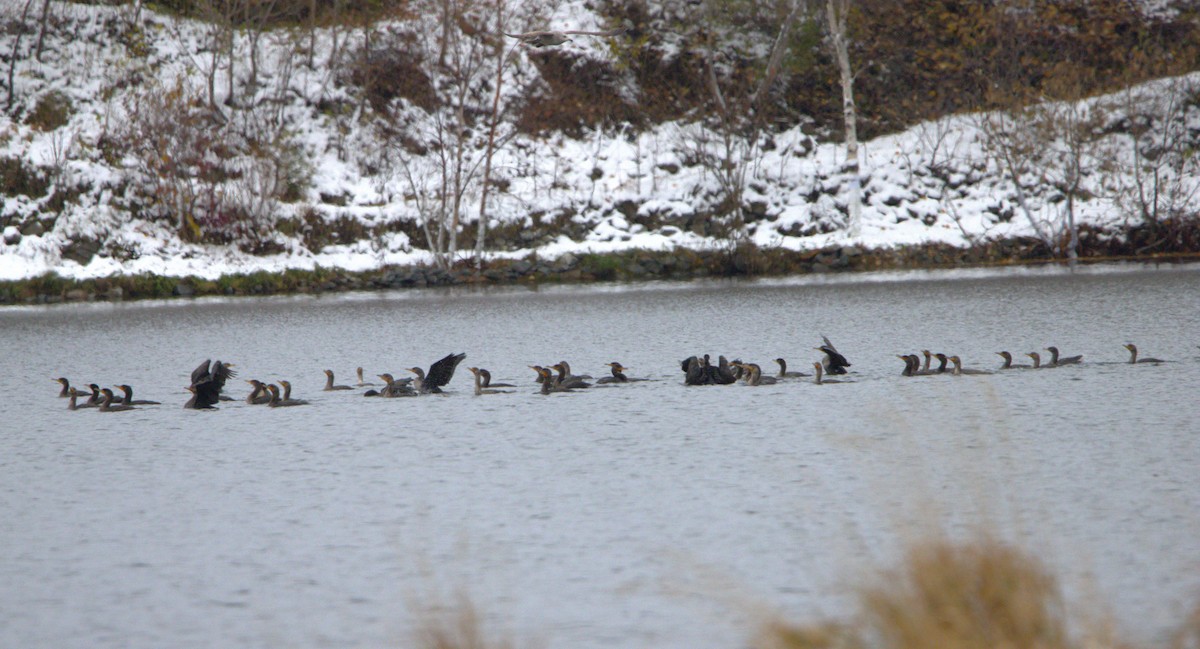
107	405
393	387
958	368
207	381
479	389
567	380
1133	356
128	399
1008	364
618	374
1055	360
329	386
259	395
819	379
74	405
834	362
439	374
783	370
487	380
277	402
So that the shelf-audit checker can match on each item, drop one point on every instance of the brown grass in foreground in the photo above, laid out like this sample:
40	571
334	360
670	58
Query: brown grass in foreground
982	594
457	627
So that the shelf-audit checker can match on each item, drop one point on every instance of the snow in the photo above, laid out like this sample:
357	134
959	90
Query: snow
937	182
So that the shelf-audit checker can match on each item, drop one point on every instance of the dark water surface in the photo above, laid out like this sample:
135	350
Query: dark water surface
645	515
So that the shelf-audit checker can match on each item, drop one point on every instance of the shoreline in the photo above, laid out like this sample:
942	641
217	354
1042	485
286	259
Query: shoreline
633	265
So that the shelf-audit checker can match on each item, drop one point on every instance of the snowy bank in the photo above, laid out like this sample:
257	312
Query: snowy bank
80	206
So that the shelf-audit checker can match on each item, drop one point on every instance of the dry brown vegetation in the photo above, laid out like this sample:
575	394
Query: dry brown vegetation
979	594
976	594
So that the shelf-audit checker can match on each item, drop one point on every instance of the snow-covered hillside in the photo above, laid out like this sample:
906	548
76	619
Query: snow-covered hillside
1108	162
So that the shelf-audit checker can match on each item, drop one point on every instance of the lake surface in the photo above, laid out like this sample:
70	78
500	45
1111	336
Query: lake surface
644	515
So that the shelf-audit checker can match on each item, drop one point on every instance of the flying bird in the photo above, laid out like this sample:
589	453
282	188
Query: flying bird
548	38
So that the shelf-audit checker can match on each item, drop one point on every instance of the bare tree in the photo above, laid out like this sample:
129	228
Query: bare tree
42	26
16	50
728	145
837	13
1011	140
493	123
1160	183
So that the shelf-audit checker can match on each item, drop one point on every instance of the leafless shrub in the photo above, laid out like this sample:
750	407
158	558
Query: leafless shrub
1159	186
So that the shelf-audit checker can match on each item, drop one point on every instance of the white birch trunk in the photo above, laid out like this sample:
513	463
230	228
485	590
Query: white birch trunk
836	15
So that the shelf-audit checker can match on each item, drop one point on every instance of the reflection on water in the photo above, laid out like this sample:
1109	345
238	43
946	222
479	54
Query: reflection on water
640	515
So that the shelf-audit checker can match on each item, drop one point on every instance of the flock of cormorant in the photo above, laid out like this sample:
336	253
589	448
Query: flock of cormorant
209	378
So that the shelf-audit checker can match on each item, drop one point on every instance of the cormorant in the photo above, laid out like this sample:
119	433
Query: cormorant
834	362
567	370
783	370
277	402
329	386
128	400
74	405
549	384
107	405
618	374
487	380
439	374
566	379
1133	357
259	395
753	374
66	387
942	360
819	379
1008	364
699	371
1037	360
360	383
207	382
958	368
392	388
1055	361
479	389
94	397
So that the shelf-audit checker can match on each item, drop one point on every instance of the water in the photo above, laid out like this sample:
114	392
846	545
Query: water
645	515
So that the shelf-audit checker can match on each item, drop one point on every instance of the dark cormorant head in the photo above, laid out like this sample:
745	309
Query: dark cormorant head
328	372
1005	355
1130	346
62	380
387	378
